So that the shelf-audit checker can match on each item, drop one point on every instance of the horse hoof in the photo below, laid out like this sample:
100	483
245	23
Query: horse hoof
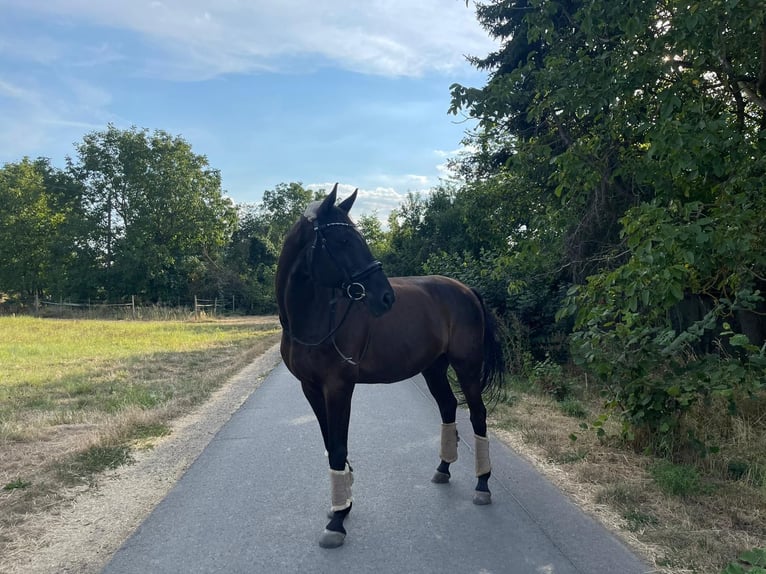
440	477
331	539
481	498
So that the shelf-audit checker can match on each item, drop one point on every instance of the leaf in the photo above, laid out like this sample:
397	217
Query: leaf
754	557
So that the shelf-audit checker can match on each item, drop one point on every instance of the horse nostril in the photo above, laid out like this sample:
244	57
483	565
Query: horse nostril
388	299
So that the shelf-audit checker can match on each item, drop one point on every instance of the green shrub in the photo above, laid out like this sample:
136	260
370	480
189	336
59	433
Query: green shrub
676	479
749	562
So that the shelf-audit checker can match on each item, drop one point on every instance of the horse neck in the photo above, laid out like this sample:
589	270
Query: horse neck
304	307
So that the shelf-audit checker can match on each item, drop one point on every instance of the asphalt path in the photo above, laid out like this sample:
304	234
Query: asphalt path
255	500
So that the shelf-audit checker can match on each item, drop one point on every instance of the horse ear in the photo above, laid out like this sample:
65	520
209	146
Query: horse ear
346	204
329	201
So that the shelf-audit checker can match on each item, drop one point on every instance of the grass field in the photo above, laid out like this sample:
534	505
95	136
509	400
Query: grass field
76	396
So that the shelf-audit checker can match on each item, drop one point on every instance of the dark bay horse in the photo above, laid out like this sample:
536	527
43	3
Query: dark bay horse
344	322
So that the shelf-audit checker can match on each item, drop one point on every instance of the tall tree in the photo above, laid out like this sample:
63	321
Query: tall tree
28	229
251	256
641	125
162	218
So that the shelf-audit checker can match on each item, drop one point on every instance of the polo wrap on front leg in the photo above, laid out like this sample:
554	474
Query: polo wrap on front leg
483	465
448	448
340	488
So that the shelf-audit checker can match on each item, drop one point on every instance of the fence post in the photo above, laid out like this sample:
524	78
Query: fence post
37	304
133	306
215	306
196	311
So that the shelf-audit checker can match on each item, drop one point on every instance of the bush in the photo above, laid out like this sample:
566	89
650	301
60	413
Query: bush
676	479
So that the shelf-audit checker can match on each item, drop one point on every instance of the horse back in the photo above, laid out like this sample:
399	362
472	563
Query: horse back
432	316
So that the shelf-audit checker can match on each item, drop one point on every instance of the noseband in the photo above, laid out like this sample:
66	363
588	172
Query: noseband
352	286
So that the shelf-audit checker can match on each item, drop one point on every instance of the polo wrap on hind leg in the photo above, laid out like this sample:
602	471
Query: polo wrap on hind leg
448	448
340	487
483	465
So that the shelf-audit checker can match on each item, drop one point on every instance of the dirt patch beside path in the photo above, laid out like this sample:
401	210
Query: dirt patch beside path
81	536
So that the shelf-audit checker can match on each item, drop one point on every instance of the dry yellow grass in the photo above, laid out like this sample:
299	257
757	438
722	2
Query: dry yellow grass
696	533
78	396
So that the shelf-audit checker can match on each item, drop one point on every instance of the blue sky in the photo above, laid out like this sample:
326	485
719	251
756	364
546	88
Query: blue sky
270	91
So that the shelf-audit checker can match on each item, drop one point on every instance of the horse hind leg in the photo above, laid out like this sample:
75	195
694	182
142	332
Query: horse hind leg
438	385
470	384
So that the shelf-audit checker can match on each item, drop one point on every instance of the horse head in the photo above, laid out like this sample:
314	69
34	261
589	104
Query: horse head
340	258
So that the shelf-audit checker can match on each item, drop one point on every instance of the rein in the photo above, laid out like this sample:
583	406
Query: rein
351	287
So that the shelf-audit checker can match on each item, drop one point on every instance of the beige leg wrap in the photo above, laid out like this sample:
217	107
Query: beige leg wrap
448	448
340	487
483	465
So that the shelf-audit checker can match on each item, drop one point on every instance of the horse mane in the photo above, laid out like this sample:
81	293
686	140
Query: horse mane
294	242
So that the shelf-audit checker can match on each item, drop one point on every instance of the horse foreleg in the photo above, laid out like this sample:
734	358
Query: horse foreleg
342	500
315	398
338	409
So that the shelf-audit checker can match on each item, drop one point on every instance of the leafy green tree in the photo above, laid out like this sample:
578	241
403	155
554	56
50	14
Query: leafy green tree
281	207
73	272
251	256
28	229
405	256
639	127
161	219
371	228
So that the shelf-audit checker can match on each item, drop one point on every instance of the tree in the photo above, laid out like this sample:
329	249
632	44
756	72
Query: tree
371	229
161	219
28	229
640	126
281	207
73	272
251	256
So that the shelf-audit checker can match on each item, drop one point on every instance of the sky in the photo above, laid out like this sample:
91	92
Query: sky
270	91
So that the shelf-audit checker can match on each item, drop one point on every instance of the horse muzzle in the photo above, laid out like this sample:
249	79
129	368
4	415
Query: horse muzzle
380	297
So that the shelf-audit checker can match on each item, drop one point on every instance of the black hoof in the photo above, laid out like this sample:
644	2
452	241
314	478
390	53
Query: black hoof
481	498
331	539
440	477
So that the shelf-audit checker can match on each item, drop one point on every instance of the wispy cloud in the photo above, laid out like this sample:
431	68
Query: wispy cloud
199	38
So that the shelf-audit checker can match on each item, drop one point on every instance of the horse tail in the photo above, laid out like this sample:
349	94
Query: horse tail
493	367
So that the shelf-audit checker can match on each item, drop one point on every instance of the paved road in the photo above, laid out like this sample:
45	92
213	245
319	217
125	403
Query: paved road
255	500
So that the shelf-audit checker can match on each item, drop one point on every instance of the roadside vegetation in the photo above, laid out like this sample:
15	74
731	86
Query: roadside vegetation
693	510
78	397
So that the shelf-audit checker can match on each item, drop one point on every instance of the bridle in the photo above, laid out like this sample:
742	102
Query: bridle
351	287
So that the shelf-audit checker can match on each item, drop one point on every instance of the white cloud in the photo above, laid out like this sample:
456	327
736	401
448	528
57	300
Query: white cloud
202	38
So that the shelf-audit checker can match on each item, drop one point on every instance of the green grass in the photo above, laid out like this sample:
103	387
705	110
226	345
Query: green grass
573	408
78	396
677	479
82	466
18	484
53	366
64	353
